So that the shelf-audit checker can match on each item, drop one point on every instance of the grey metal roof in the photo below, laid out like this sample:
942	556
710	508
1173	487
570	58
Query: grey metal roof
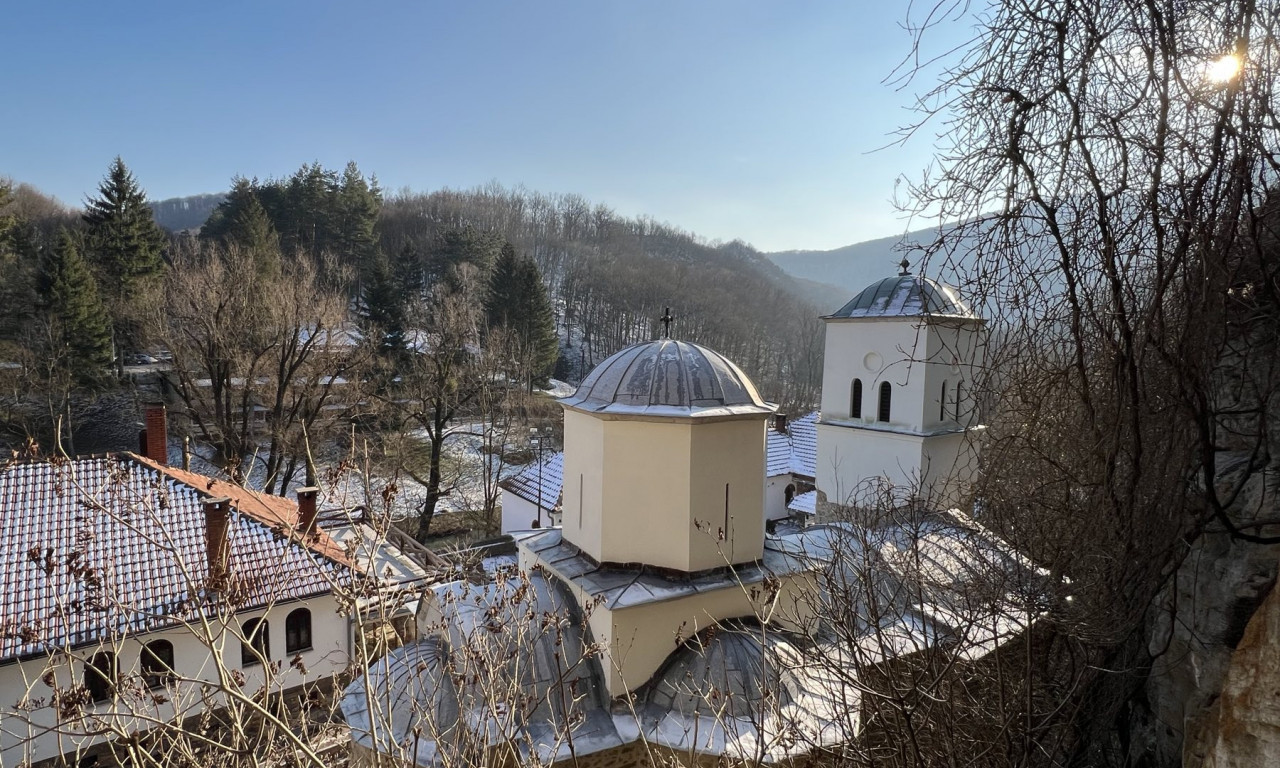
628	587
906	296
434	700
527	482
668	378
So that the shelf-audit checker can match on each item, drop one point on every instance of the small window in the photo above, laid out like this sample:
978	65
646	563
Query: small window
258	648
942	403
959	397
297	631
790	494
157	663
855	399
100	676
886	393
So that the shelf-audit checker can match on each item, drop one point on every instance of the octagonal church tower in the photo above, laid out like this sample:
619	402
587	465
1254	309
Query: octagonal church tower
664	455
898	413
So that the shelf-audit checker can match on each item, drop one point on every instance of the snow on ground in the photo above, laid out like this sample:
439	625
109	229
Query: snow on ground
559	389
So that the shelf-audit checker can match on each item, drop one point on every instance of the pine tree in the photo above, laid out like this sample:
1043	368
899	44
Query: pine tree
383	304
517	300
503	295
69	294
536	324
124	241
240	221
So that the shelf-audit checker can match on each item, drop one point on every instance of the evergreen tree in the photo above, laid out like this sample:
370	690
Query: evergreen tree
536	324
503	295
383	304
124	241
240	221
517	300
69	293
358	203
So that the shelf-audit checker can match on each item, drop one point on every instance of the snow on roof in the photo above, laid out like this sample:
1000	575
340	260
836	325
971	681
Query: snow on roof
124	540
804	445
539	484
623	587
737	689
805	503
905	296
668	378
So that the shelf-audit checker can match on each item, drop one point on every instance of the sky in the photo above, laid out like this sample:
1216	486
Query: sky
743	119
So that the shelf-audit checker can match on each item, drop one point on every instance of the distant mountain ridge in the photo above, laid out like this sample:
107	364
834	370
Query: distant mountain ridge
182	213
853	267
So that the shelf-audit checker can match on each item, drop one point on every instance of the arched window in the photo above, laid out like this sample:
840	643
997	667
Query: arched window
942	403
790	494
297	631
855	399
157	663
886	393
959	397
100	676
258	648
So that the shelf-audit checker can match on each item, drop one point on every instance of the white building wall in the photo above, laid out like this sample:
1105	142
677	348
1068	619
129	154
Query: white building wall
519	514
775	498
36	734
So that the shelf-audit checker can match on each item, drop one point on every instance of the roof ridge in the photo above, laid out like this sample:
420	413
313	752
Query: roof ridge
274	520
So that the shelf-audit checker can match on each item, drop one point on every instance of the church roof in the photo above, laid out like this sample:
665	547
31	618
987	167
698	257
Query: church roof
668	378
906	296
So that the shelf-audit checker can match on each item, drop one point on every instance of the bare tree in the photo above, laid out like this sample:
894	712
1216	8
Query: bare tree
1112	167
261	358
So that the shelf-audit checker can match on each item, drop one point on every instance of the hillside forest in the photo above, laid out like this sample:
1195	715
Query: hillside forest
315	312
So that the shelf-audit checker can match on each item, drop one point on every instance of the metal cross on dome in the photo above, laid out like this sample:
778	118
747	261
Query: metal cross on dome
666	321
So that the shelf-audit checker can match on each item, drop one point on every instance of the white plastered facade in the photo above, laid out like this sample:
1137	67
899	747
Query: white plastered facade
927	445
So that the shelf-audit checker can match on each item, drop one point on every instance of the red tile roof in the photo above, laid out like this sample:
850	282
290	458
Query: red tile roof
96	548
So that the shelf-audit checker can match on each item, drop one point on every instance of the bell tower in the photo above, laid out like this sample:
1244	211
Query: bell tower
898	415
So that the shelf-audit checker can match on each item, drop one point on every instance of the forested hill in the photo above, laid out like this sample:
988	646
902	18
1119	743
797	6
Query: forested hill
853	267
610	277
180	213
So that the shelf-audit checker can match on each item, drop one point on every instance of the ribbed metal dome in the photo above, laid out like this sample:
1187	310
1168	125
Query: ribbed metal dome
668	378
906	296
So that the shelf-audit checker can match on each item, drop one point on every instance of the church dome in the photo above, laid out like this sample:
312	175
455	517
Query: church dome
668	378
906	296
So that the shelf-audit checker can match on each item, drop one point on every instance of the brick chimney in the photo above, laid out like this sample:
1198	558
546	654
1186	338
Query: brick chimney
780	422
154	440
307	510
217	520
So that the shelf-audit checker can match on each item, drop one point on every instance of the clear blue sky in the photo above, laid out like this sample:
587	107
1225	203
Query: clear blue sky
728	118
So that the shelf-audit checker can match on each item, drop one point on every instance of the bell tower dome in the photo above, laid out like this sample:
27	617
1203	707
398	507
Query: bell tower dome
897	408
664	451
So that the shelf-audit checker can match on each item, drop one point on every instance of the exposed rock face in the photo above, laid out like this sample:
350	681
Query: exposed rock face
1213	693
1243	730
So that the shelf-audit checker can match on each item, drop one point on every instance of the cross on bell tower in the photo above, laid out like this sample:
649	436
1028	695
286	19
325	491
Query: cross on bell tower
666	321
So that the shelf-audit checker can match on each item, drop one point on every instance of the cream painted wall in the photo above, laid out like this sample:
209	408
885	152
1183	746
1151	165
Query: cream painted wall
645	518
728	462
37	735
640	639
645	483
583	492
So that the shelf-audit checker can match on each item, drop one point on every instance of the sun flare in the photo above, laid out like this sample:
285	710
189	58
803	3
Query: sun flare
1223	69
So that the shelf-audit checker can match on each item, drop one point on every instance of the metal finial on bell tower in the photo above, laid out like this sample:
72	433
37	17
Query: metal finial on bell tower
666	320
906	265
